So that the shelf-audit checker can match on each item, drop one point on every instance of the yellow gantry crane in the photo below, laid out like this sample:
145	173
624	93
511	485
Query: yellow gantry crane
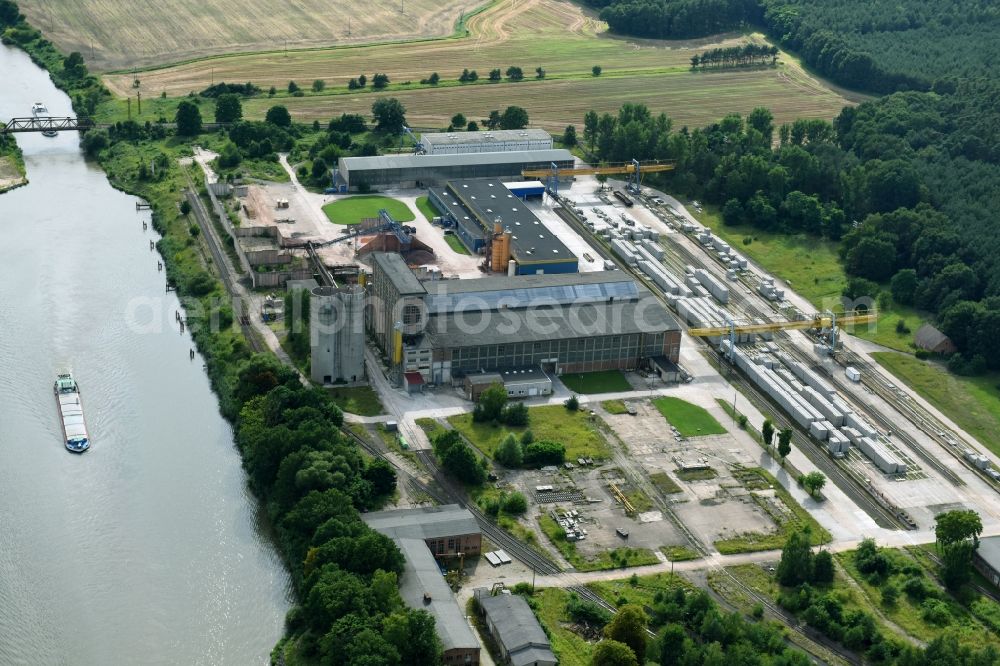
632	169
829	320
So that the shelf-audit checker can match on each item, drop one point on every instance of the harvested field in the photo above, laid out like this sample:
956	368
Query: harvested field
559	36
125	34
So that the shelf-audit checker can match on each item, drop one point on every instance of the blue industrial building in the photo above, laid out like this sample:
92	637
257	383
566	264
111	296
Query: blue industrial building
476	207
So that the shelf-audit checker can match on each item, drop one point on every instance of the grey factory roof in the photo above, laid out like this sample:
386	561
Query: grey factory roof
433	161
423	587
484	136
989	551
492	293
517	628
432	522
399	273
489	201
559	322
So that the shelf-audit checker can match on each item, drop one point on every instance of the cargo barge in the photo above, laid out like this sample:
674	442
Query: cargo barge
71	414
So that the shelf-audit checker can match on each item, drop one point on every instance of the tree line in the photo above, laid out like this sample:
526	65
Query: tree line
676	19
748	55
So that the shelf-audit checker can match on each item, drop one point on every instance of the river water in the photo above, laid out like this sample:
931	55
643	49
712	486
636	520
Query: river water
149	548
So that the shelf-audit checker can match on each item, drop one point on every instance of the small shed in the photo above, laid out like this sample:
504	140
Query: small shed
526	383
413	382
475	384
665	369
933	340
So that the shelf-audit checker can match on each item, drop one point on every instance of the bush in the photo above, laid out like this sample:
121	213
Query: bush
572	403
586	612
514	504
510	453
935	611
539	454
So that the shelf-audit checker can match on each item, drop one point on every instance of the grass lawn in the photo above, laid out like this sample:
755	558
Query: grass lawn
354	209
454	243
614	407
570	648
604	381
430	426
971	402
679	553
690	420
553	423
360	400
793	518
811	267
664	483
425	207
696	474
607	559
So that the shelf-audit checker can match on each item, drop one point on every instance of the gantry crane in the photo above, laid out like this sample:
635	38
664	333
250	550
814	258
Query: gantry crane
828	319
632	169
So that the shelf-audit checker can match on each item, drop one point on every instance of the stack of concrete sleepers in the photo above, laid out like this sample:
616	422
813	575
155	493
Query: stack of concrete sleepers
884	459
837	442
820	430
854	421
808	376
625	250
714	286
662	279
769	382
652	247
832	414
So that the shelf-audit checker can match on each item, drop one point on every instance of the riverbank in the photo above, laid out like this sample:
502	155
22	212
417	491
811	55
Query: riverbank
12	172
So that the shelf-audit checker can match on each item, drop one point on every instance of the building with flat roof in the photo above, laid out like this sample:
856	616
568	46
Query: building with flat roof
410	171
485	141
515	629
578	322
447	530
477	207
423	587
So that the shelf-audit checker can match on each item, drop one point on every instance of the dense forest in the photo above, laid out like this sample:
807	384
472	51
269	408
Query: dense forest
908	182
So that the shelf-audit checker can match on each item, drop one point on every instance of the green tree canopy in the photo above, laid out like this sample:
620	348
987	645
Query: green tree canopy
628	626
278	115
188	118
389	114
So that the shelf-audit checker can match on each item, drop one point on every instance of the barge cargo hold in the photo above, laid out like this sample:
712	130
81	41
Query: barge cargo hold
71	413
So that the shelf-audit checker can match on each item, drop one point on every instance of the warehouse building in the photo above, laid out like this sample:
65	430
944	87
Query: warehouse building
986	559
411	171
446	530
477	208
580	322
486	141
515	629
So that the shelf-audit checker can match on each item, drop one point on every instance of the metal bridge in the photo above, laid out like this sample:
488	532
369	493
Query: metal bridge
47	124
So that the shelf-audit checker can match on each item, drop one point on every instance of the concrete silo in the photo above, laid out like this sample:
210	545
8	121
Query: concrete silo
337	334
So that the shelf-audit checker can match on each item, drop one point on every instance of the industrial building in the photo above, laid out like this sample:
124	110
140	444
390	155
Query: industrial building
519	383
447	530
411	171
423	534
485	141
484	211
337	334
986	559
580	322
515	629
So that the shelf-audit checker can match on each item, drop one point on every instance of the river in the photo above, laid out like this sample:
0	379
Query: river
149	548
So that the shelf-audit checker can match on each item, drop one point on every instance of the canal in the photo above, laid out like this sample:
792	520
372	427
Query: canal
149	548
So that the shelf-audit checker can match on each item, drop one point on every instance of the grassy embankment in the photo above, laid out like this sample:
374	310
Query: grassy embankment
553	423
353	210
690	420
973	403
12	173
811	267
360	400
603	381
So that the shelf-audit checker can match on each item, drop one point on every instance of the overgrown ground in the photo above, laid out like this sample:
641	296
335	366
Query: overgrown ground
360	400
115	33
607	559
560	37
690	420
552	423
973	403
355	209
603	381
811	267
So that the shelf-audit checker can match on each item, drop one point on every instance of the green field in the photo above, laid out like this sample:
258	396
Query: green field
563	38
604	381
552	423
811	267
973	403
355	209
360	400
614	407
690	420
425	208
